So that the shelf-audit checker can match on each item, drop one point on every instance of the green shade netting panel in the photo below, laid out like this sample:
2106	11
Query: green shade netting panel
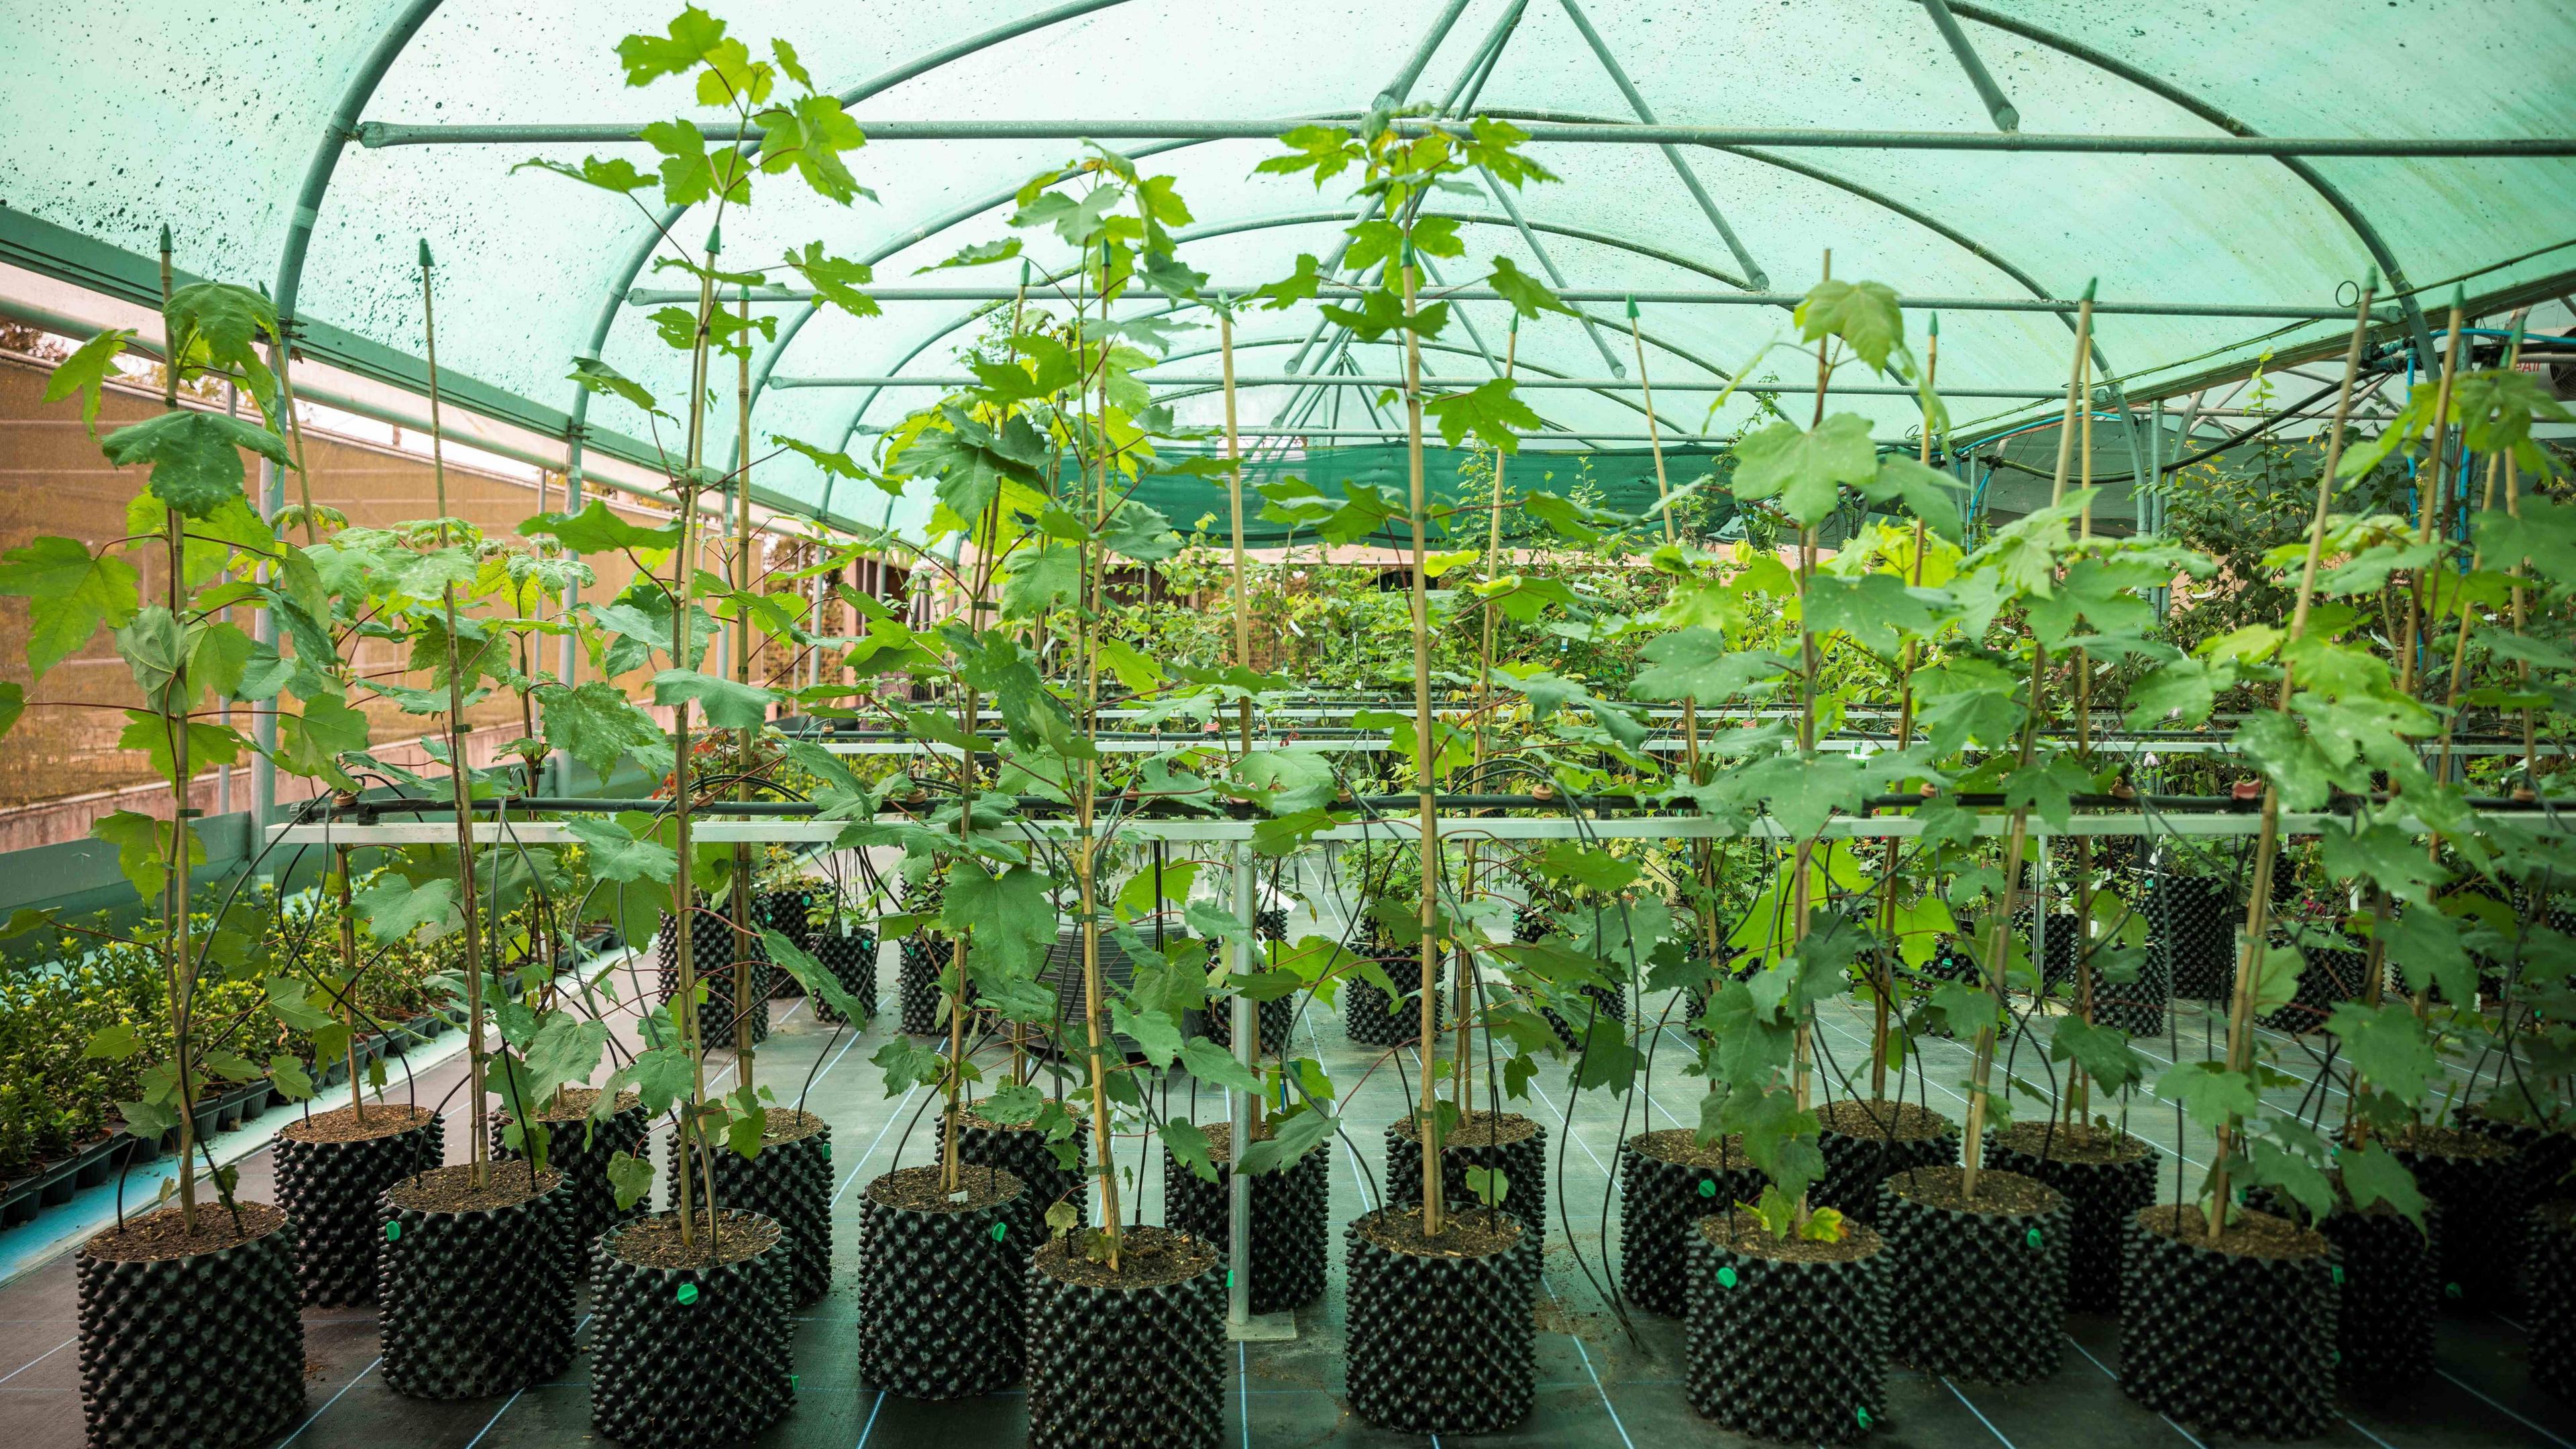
1622	481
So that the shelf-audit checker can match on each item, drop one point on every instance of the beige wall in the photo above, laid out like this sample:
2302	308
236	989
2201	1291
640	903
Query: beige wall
53	480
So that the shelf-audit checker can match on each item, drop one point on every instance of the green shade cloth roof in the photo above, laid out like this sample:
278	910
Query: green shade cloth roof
126	114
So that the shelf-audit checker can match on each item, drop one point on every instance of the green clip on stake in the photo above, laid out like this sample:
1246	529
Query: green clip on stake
688	1294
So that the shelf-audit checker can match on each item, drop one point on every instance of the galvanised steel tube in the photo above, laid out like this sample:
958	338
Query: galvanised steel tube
1669	297
377	134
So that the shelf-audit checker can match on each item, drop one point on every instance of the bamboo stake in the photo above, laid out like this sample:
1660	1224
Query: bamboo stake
2017	832
2240	1006
746	739
1434	1210
1885	986
683	901
1088	853
1802	858
478	1148
2434	496
1703	852
179	974
1462	1081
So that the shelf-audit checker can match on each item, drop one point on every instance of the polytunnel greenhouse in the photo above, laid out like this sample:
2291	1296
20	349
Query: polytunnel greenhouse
1154	724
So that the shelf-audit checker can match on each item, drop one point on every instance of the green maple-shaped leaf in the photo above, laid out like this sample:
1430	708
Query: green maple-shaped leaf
728	704
69	594
2388	1047
2182	690
595	723
691	37
1041	579
834	279
2209	1093
311	743
1805	470
614	173
221	326
86	371
808	136
195	456
143	849
1927	493
596	376
395	908
1863	314
1009	915
1288	781
1697	664
1874	609
599	529
1528	295
2102	1051
1491	410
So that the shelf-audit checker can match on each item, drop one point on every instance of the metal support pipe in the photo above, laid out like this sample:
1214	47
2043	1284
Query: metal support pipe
1547	264
1690	179
1247	1051
1292	379
1662	297
1999	106
378	134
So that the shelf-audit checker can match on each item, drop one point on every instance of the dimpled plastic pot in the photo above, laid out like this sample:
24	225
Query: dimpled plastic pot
2104	1188
476	1302
203	1351
2549	1295
687	1357
2478	1180
1785	1347
1291	1219
1439	1344
2235	1342
942	1300
1659	1202
1512	1143
1975	1294
328	1182
1865	1139
580	1148
1025	1153
1127	1367
852	960
789	1183
1369	1016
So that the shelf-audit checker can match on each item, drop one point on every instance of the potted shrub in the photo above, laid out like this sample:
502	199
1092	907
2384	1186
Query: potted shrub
189	1330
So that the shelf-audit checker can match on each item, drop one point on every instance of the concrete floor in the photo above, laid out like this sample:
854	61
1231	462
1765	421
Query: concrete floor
1600	1382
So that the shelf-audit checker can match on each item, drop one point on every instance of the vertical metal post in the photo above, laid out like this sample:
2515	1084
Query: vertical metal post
2039	907
572	593
1247	1050
263	728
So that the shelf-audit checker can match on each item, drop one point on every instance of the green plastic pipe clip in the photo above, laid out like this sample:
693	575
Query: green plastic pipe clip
2089	286
1708	1187
1933	327
687	1295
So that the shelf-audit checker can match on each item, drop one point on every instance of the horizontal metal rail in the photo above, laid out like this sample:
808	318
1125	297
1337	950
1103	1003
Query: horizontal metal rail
1525	383
1663	297
378	134
1393	827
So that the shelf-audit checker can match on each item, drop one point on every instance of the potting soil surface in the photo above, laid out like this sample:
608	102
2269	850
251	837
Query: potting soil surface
1602	1381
